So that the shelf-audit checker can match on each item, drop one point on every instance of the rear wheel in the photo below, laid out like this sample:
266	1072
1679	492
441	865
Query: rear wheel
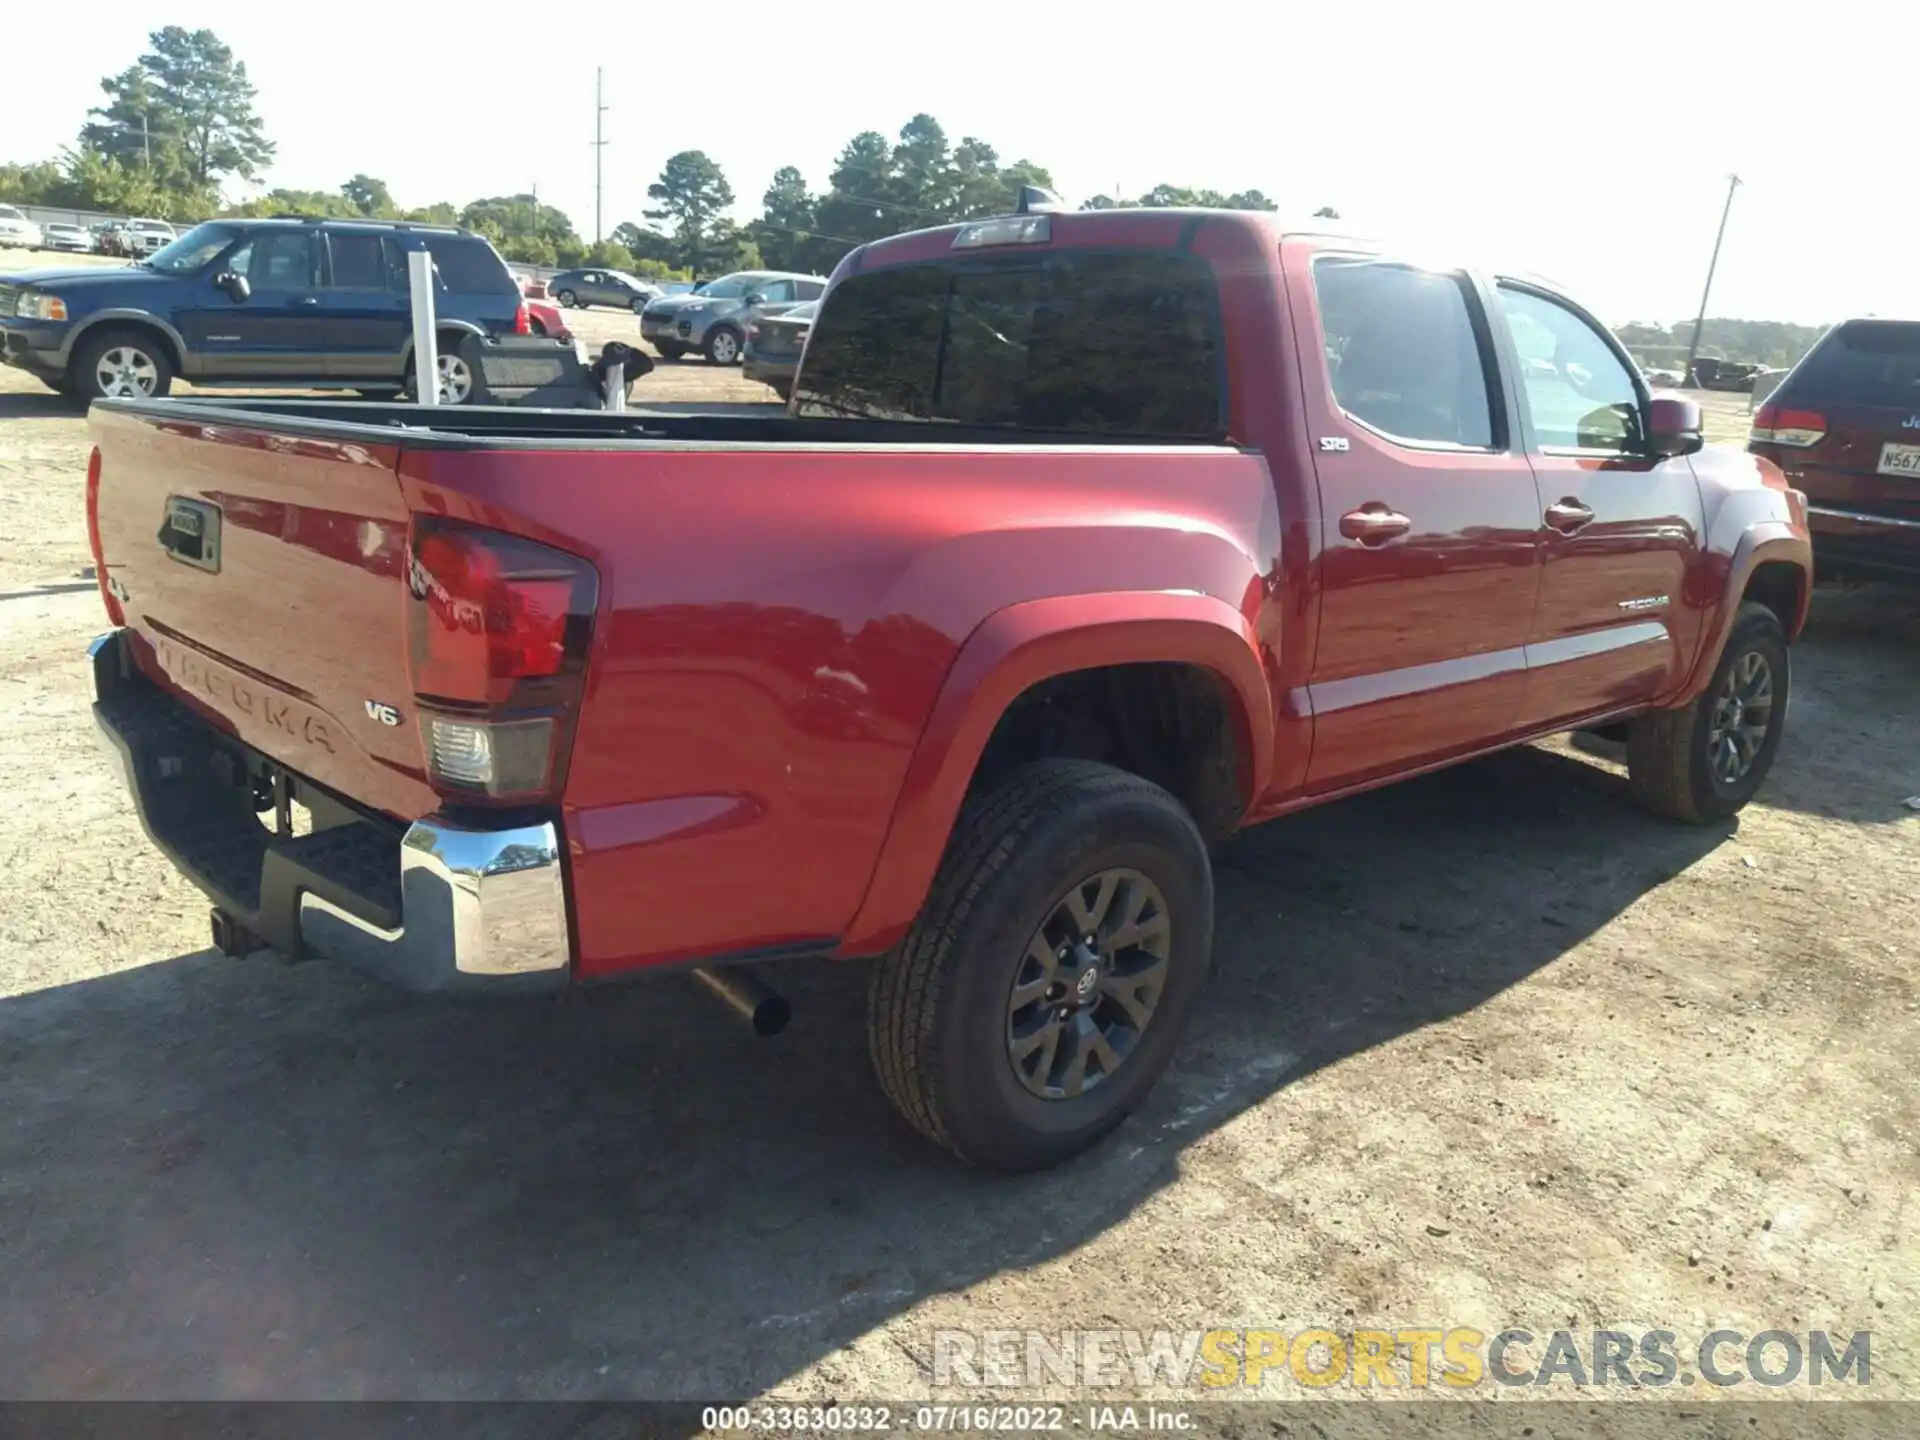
1705	761
567	299
723	345
121	365
1042	990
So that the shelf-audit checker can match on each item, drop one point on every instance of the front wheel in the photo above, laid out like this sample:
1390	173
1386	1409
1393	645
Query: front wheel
1704	761
639	305
121	365
1044	987
669	351
723	345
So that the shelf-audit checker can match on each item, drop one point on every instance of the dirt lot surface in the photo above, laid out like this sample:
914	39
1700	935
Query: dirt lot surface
1489	1048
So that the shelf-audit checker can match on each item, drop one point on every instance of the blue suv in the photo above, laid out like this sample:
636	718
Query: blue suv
319	304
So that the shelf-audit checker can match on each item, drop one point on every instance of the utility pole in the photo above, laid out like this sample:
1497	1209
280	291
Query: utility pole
599	149
1693	341
146	143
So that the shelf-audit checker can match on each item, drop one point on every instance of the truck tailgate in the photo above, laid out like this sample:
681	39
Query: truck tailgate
263	576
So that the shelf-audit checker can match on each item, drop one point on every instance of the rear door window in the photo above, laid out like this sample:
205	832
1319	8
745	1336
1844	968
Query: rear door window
358	263
1863	362
1406	352
1096	342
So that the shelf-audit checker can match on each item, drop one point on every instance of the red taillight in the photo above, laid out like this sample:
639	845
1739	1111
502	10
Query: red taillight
114	612
522	320
497	631
1777	425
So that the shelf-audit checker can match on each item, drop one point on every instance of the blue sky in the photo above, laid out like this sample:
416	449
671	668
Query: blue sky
1588	142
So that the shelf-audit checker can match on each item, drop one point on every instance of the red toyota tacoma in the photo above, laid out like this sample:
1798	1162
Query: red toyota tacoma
1085	540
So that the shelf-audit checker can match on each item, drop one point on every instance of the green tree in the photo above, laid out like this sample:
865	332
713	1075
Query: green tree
1326	212
856	207
787	230
922	179
368	195
439	213
184	111
520	217
647	246
322	204
692	196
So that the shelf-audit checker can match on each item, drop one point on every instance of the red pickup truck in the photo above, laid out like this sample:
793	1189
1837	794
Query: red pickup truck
1086	539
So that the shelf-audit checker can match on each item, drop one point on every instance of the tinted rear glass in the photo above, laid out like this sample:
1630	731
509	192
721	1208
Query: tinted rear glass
1124	343
468	266
1864	362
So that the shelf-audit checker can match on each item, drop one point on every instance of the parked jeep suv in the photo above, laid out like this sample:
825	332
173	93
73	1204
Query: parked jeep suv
319	304
714	318
1845	426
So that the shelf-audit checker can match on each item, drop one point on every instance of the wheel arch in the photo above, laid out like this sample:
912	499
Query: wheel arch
170	338
1008	655
442	327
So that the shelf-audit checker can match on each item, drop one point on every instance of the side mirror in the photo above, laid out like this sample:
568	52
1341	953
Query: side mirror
1674	427
236	286
754	298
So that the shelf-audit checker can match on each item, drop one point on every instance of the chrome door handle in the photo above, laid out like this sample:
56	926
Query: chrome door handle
1374	524
1567	516
309	299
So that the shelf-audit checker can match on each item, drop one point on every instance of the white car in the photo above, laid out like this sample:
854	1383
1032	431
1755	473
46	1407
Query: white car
143	237
17	230
72	238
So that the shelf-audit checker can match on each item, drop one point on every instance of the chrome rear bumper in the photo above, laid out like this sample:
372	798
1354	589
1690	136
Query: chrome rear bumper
438	907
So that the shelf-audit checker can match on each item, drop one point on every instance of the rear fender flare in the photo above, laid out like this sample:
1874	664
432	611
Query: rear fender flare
1013	650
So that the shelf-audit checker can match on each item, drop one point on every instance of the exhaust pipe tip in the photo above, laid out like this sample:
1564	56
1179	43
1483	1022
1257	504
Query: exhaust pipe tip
231	938
771	1015
759	1004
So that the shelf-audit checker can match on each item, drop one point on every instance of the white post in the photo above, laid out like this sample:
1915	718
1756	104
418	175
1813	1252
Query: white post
426	349
616	387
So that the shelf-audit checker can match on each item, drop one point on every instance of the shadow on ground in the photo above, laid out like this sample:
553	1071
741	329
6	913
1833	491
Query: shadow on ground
29	405
1854	716
236	1178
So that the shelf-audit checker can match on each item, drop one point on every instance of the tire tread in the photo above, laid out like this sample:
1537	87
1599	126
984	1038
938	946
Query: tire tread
905	989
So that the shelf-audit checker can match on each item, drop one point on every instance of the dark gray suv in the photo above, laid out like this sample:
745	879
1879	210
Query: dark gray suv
584	288
714	318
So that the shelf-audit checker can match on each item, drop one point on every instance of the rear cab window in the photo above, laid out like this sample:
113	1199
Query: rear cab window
1861	362
1077	341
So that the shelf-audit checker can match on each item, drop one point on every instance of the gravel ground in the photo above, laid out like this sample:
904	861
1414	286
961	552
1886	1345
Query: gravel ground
1486	1048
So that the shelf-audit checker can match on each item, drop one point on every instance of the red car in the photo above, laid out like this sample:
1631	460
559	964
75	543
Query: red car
545	319
1845	427
1087	539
